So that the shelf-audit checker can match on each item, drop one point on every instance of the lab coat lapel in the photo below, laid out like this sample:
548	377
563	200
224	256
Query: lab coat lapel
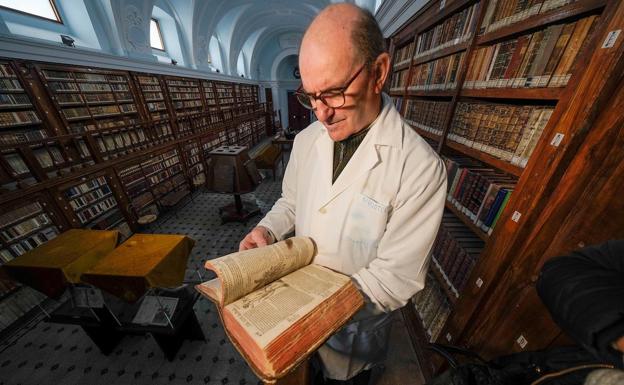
324	148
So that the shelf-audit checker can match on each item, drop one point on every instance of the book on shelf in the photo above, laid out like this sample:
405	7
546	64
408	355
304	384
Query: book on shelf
276	307
432	306
501	13
540	59
427	115
439	74
18	117
474	189
453	30
508	132
455	252
404	54
7	84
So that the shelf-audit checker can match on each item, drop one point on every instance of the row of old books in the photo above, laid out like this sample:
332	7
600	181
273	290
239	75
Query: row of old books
28	226
90	197
21	136
454	30
20	303
440	74
539	59
6	70
508	132
10	84
85	187
501	13
433	307
399	79
455	252
97	210
404	54
14	100
480	192
30	240
427	115
18	117
48	156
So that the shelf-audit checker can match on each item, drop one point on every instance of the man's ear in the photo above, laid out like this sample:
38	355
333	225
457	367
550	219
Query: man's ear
382	68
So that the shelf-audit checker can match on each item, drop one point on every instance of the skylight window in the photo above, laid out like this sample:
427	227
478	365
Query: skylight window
40	8
155	35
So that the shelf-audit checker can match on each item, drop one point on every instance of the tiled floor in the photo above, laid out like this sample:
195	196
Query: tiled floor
45	353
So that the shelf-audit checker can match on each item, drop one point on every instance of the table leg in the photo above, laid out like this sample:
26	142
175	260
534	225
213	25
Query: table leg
106	339
171	343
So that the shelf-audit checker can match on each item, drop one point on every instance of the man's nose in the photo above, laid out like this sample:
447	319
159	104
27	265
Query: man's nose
322	111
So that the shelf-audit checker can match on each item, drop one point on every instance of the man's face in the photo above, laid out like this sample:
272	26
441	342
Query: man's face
322	73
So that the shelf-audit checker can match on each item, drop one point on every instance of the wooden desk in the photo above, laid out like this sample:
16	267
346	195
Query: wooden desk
143	261
52	266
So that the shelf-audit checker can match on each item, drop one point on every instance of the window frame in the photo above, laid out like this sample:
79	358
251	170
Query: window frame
162	41
58	20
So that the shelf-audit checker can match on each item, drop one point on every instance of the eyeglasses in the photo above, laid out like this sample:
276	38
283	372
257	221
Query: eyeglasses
332	98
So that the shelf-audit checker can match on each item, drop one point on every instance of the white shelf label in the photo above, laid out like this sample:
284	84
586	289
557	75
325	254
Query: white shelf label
448	337
442	4
522	341
611	39
479	282
516	216
556	140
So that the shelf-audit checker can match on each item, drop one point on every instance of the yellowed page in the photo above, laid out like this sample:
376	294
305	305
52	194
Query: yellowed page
243	272
267	312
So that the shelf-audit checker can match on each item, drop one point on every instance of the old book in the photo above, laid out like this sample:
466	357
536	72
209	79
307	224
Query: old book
516	60
529	59
557	53
561	75
551	36
277	307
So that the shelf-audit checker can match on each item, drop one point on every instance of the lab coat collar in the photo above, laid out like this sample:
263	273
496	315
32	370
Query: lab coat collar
384	131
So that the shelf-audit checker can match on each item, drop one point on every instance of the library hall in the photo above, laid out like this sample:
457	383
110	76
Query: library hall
312	192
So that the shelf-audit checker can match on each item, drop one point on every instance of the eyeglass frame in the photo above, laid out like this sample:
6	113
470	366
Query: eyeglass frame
341	90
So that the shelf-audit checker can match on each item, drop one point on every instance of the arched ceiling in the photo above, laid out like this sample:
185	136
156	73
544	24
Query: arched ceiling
259	28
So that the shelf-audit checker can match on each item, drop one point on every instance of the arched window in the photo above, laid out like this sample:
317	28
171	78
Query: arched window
156	40
40	8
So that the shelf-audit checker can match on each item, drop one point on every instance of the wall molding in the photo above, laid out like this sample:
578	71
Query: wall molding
36	50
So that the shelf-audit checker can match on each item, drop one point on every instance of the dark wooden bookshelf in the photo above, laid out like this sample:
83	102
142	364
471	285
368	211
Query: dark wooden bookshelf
441	53
469	223
518	244
538	93
444	284
567	12
485	158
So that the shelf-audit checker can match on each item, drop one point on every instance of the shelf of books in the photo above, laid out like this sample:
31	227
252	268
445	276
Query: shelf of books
480	82
186	99
225	95
90	203
23	226
90	99
210	95
194	163
19	120
153	96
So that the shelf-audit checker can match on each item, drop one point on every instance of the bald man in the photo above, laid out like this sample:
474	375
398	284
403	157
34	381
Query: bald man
360	182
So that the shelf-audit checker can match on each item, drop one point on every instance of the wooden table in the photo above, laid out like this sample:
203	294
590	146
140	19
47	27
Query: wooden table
51	267
142	262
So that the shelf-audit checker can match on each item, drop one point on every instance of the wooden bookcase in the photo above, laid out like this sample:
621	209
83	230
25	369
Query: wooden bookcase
19	119
487	84
102	148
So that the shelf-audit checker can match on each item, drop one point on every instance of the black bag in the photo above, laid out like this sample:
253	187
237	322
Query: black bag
554	366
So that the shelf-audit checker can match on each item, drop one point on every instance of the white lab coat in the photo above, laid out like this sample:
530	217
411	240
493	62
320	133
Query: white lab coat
376	223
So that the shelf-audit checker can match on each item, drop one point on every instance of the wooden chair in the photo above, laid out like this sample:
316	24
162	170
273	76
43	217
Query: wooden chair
145	215
269	158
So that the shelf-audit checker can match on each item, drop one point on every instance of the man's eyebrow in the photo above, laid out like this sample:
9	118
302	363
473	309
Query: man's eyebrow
323	91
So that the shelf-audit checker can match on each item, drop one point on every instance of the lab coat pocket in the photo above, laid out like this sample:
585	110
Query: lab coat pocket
366	224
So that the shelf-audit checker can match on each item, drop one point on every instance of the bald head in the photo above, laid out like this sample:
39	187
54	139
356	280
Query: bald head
345	30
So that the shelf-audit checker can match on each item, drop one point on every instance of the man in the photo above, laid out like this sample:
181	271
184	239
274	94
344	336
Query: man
360	182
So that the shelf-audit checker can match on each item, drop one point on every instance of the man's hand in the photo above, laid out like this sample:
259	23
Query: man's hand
257	237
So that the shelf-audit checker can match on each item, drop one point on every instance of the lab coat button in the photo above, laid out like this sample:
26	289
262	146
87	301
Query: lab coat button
322	211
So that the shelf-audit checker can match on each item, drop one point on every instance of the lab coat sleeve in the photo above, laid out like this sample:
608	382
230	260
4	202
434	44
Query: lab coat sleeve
281	219
400	267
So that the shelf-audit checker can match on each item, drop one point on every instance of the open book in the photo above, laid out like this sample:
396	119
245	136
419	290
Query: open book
276	307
